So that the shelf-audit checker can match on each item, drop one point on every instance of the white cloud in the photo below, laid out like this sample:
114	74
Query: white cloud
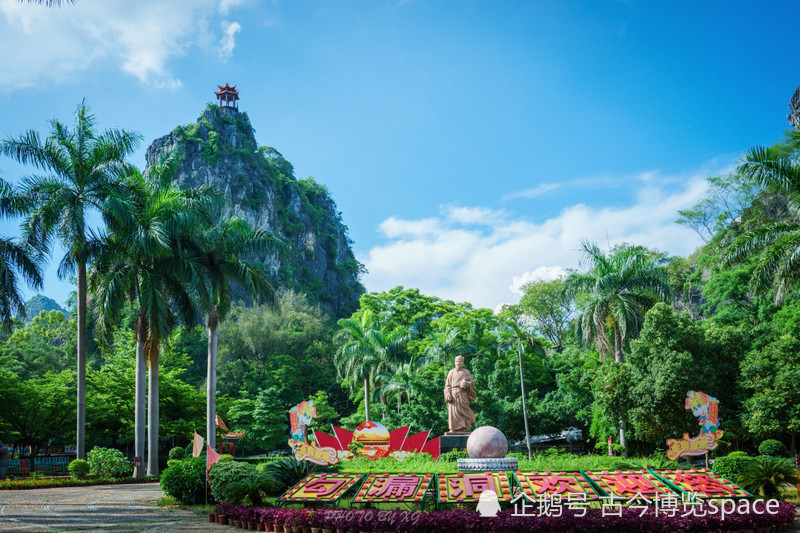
226	5
228	42
534	192
44	45
449	257
543	273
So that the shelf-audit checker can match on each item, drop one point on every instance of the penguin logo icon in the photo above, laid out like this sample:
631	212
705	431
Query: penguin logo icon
488	506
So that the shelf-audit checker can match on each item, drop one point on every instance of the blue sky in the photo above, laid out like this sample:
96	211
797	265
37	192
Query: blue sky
469	145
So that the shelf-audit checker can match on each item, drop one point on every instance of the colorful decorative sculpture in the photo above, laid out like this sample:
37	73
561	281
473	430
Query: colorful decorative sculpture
706	409
300	417
373	437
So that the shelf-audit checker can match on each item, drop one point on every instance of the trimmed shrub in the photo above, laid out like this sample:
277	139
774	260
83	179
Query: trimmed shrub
185	480
177	454
108	463
738	454
731	468
224	473
774	448
78	469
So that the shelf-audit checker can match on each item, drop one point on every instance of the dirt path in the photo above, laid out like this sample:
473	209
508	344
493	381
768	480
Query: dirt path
99	508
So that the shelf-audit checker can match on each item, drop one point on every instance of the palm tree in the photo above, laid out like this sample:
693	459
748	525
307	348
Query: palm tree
82	170
399	382
14	259
777	244
523	341
445	346
619	286
145	261
222	249
365	350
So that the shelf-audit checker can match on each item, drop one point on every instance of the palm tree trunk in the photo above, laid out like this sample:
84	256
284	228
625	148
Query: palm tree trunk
619	358
211	380
366	399
140	394
152	417
618	355
80	434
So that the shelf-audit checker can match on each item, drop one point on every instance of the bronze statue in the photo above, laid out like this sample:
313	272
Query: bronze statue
459	390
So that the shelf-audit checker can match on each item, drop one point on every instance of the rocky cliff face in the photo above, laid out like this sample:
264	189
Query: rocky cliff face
220	150
794	110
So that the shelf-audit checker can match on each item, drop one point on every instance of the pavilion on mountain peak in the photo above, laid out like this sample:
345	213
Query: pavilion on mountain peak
227	96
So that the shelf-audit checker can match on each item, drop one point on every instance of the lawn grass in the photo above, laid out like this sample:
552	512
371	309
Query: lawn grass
540	462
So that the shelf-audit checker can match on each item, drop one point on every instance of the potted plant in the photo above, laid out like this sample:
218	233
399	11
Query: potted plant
277	520
223	510
315	521
267	517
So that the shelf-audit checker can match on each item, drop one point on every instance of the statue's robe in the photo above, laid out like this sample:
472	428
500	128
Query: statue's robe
459	390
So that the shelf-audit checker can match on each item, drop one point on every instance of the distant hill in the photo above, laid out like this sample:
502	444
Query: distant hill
41	303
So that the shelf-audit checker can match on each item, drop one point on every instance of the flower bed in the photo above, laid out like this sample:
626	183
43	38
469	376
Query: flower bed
466	521
22	484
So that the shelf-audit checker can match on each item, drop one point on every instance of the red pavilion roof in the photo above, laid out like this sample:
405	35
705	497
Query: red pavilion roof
227	92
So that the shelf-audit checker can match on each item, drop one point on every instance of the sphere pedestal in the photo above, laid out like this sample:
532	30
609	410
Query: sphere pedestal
488	464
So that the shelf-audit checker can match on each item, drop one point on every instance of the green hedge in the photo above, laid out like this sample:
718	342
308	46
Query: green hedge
224	473
186	480
773	448
731	467
78	469
108	463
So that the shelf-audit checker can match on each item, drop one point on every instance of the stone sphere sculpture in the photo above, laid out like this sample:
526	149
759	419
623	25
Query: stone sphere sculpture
487	442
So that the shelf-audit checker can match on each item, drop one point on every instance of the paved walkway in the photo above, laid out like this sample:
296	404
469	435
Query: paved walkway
98	508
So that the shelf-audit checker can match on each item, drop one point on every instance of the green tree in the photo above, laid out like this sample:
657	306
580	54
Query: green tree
726	199
771	375
33	409
776	244
570	403
364	350
670	358
145	261
618	287
290	350
264	418
549	306
42	345
83	170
